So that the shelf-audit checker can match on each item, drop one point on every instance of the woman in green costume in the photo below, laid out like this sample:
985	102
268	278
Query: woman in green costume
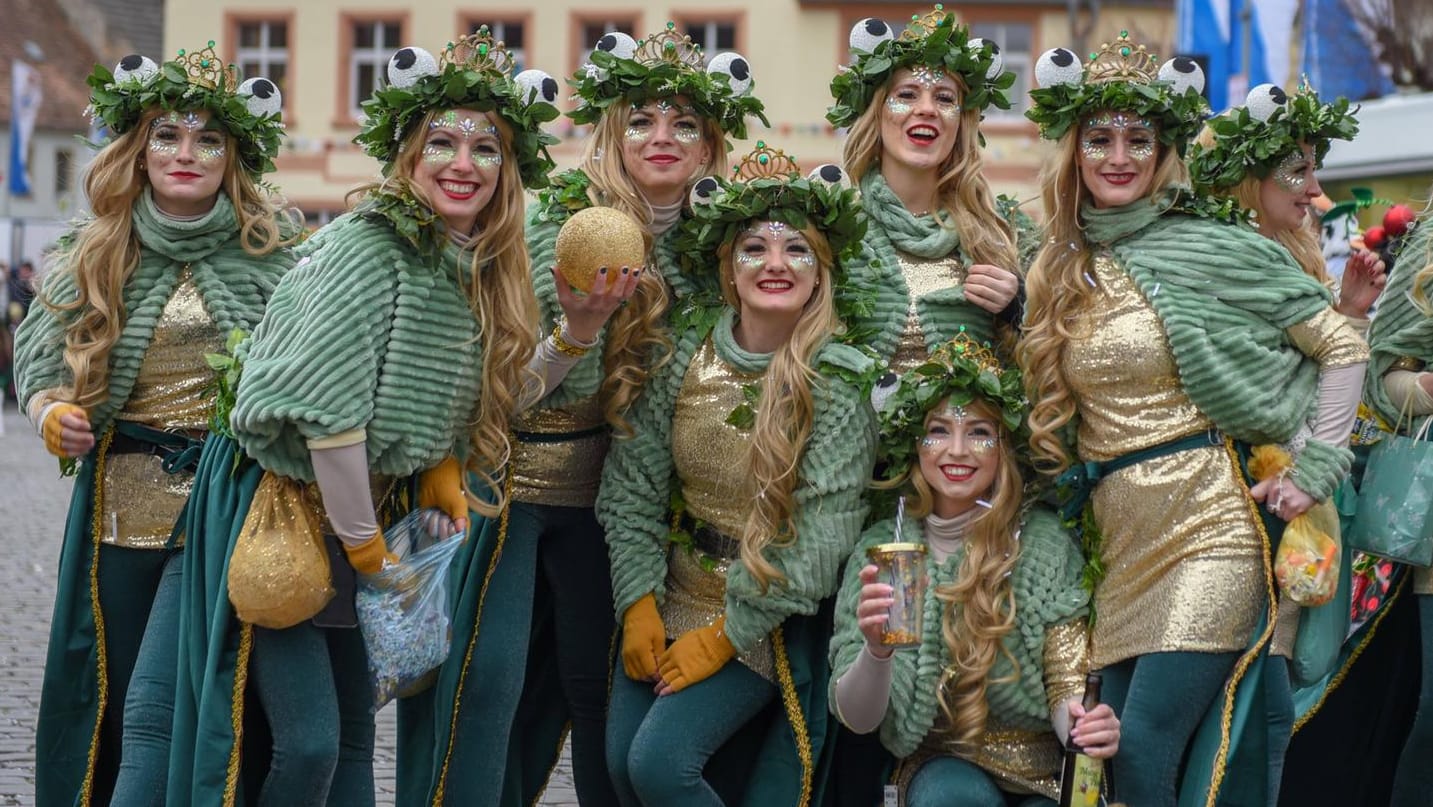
730	508
660	119
977	710
1169	341
398	349
182	248
946	255
1399	385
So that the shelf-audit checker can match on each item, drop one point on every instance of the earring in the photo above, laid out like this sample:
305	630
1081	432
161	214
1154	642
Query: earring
139	164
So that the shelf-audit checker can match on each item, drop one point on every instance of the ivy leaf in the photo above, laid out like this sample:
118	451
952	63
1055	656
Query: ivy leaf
743	417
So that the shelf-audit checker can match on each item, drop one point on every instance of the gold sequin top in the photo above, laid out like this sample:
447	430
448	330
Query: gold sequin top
173	391
1183	556
1330	339
922	276
710	457
554	470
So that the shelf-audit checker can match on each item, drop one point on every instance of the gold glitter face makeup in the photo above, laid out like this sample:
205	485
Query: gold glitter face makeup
1292	172
896	106
1100	134
452	129
687	135
763	237
210	148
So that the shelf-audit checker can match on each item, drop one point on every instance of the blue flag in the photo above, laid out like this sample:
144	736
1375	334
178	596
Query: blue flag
25	97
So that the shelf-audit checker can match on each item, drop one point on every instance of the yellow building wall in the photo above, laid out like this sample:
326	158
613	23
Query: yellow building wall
794	49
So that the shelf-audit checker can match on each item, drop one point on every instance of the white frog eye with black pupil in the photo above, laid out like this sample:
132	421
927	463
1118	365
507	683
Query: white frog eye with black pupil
997	61
830	174
1183	72
1059	66
135	69
409	65
261	97
536	85
868	33
1264	100
735	68
618	44
704	192
888	385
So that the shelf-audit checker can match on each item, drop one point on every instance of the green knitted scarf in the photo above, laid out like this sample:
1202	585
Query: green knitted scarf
922	236
1400	328
234	285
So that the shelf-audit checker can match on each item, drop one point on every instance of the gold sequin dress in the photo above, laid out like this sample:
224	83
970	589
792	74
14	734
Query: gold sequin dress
923	276
557	458
173	392
1184	559
710	456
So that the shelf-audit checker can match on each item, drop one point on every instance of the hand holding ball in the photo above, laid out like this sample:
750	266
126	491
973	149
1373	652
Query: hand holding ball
594	238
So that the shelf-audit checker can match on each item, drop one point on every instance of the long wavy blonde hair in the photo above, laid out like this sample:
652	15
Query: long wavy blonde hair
499	292
978	606
105	253
784	413
1057	293
637	341
965	200
1301	242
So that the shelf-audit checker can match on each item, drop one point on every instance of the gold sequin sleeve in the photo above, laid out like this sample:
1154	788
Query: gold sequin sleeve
1328	338
1067	660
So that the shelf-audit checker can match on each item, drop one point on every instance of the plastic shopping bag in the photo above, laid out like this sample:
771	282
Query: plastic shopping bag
403	610
1307	561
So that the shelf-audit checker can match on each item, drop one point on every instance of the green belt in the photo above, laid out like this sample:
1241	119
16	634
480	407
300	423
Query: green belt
1077	484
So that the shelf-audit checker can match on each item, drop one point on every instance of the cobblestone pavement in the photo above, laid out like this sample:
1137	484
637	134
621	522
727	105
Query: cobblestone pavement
33	501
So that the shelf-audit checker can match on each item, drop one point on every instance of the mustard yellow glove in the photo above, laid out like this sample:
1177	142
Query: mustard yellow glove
696	656
53	430
442	487
370	556
643	639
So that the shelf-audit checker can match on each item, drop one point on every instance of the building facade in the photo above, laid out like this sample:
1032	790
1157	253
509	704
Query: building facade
326	56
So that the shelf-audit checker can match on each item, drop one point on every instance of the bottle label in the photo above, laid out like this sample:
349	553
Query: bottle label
1088	777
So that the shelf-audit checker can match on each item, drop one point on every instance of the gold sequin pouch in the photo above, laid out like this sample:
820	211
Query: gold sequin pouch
279	573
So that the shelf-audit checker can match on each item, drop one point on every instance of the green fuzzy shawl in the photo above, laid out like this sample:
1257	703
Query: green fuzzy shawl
368	331
1046	584
1400	329
639	478
1226	296
235	286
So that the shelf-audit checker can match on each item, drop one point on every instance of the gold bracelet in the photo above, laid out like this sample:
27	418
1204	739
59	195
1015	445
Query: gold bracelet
565	347
1407	363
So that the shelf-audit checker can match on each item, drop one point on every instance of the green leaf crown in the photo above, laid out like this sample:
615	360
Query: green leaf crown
961	370
1122	75
1254	138
474	72
250	111
663	65
934	40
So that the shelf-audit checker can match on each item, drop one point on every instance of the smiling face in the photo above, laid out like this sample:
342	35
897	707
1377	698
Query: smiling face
459	166
959	456
1287	192
775	270
663	147
1117	157
185	160
920	117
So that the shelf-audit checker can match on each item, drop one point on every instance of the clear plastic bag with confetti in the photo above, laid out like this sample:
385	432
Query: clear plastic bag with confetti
403	610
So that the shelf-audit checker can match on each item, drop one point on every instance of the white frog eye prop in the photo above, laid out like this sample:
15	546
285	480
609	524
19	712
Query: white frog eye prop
868	33
618	44
409	65
135	69
1059	66
997	60
886	386
1264	100
828	174
704	192
1183	72
734	66
536	85
261	97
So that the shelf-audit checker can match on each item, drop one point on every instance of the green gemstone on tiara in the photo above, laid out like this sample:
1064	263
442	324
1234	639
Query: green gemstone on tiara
671	25
1124	34
181	51
1124	51
761	144
482	50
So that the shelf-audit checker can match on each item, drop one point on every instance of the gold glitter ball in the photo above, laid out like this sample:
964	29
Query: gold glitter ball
598	237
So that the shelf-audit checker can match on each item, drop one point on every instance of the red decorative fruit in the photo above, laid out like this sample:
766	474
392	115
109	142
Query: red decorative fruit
1397	219
1373	237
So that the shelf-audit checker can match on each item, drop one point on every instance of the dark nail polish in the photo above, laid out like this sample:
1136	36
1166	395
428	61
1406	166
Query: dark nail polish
624	270
602	271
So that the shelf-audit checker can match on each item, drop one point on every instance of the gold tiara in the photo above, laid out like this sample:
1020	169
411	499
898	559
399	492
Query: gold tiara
1122	60
962	346
765	162
205	69
670	47
923	25
477	52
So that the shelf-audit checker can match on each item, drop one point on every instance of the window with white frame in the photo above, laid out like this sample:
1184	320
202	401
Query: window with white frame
513	35
714	36
1015	40
373	44
264	51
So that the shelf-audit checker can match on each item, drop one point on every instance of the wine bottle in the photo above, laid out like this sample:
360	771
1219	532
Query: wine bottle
1082	778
